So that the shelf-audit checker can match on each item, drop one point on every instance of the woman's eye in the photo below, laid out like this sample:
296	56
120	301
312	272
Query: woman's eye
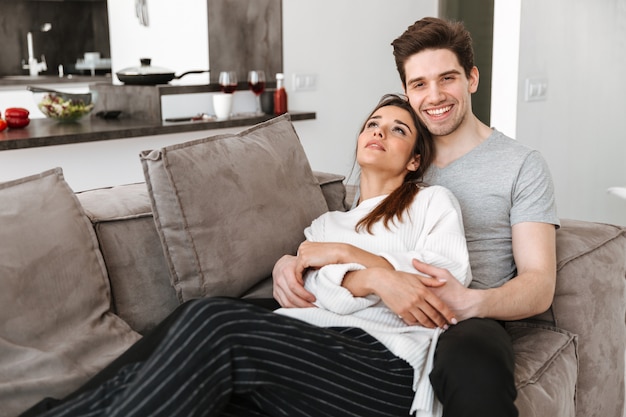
400	130
371	124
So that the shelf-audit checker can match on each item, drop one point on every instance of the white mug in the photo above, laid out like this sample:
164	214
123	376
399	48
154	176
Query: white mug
222	105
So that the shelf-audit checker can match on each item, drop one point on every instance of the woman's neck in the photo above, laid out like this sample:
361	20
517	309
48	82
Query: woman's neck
374	185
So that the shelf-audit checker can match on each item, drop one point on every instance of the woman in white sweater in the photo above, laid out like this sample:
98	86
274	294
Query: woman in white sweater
397	219
352	355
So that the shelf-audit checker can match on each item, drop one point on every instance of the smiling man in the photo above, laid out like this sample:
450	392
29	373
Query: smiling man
507	199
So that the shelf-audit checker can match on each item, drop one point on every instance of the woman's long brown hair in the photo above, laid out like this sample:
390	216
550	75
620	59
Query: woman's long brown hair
396	203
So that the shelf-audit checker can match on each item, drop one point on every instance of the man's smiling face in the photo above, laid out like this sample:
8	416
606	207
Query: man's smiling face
439	90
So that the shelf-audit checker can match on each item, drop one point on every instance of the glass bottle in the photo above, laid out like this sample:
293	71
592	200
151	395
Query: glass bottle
280	95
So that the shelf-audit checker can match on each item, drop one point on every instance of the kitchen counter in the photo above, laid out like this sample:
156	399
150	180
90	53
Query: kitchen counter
48	132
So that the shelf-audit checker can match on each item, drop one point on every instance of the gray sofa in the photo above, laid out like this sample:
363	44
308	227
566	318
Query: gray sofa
85	275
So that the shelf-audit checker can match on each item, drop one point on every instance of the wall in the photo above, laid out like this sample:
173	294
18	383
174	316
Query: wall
176	39
346	45
579	127
67	41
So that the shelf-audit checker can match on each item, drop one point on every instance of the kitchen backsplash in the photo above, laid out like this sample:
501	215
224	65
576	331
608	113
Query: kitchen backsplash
77	27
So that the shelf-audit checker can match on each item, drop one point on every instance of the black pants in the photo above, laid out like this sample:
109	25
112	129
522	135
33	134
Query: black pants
224	357
473	370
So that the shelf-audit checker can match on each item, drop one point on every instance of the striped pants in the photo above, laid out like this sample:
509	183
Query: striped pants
225	357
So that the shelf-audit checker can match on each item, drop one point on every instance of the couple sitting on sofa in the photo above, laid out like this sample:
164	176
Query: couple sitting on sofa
377	347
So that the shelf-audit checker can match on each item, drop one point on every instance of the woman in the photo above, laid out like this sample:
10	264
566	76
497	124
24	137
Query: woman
225	357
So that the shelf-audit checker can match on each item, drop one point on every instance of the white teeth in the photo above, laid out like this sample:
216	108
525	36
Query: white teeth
437	112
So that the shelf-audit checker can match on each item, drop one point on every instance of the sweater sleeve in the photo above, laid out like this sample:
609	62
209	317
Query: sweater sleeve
444	244
326	282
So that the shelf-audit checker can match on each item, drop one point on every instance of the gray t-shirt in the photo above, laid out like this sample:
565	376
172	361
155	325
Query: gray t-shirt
498	184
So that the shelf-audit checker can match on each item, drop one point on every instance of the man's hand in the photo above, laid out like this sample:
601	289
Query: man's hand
289	285
459	299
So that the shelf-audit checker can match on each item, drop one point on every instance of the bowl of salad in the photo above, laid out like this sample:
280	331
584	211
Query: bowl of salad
67	108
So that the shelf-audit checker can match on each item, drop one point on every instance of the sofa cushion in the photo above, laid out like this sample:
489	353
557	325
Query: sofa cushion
208	195
130	245
56	328
546	369
333	189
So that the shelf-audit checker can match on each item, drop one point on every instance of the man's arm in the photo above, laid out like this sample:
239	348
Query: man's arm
532	290
529	293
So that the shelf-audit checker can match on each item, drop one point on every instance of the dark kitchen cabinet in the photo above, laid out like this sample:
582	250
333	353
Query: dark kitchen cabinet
77	27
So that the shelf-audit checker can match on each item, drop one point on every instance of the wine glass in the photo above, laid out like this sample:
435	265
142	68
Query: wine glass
228	81
256	82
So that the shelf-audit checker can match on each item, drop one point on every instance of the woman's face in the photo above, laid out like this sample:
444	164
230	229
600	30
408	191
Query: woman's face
387	141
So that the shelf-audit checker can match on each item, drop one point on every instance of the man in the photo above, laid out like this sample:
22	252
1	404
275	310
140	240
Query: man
507	198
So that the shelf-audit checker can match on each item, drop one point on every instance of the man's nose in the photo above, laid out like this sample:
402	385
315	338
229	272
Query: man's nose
435	94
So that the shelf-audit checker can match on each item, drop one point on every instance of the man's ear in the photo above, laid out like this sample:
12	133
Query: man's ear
414	163
473	80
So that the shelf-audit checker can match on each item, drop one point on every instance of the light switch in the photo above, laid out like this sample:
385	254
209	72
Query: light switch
304	82
536	89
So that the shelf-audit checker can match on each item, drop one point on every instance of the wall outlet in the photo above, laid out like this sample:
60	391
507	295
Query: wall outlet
536	89
304	82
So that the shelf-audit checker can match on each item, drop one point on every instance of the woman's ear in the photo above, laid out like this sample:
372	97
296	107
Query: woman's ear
414	163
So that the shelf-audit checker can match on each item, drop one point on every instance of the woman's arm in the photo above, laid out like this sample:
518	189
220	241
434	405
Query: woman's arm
443	242
319	254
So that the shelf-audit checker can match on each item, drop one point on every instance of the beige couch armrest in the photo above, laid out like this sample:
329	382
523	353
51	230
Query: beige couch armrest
590	301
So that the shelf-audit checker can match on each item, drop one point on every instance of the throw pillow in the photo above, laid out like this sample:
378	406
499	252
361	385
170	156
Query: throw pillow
56	329
228	207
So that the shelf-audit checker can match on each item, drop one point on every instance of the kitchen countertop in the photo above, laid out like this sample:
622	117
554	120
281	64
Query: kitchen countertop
49	132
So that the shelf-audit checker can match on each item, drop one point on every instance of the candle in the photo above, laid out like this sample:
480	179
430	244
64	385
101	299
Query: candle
29	38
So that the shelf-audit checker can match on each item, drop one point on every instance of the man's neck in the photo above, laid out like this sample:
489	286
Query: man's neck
451	147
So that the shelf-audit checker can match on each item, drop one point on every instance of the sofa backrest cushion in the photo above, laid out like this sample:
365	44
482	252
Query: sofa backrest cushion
131	248
229	206
56	329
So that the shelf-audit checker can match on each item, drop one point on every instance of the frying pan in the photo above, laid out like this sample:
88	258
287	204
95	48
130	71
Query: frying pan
146	74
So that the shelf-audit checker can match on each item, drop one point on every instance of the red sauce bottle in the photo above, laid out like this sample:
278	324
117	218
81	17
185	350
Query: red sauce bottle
280	95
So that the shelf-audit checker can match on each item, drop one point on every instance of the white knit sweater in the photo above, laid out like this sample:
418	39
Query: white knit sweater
431	231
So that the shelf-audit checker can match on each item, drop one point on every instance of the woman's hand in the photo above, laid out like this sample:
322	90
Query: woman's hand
319	254
410	296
